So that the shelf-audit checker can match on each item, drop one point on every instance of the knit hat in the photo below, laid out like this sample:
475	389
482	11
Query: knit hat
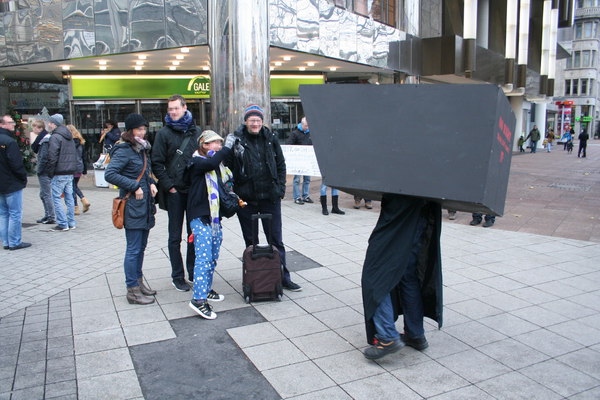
209	136
57	119
133	121
254	110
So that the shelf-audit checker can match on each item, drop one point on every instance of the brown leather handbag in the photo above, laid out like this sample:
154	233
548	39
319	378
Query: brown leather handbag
118	207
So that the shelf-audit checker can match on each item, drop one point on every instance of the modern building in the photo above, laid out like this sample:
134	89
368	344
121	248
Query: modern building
99	60
577	89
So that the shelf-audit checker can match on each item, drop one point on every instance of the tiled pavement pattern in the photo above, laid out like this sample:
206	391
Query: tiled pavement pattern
522	313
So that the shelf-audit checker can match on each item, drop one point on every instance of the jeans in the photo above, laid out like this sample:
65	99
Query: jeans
207	245
549	147
134	255
582	148
265	207
533	146
63	184
305	186
410	295
46	195
334	192
11	211
177	203
76	190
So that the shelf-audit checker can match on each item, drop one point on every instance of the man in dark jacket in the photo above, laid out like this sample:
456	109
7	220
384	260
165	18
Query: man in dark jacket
583	138
301	137
534	134
259	173
13	179
168	163
402	274
110	135
40	146
62	164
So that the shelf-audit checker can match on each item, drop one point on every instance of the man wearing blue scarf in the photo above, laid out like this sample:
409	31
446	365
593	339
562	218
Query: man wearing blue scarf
168	163
301	136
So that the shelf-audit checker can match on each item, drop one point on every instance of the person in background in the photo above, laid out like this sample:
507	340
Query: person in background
204	172
368	203
334	201
534	134
40	147
583	138
521	142
128	158
80	146
110	135
549	140
477	218
301	137
568	138
13	179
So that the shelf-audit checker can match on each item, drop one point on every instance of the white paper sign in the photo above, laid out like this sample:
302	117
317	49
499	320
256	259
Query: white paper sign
300	160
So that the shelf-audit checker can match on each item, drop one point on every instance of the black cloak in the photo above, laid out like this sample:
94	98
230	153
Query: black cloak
388	254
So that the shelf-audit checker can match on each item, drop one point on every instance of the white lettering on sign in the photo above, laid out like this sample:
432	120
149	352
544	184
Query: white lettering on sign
301	160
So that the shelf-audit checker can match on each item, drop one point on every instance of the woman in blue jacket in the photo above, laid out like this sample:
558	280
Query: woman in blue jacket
203	174
127	160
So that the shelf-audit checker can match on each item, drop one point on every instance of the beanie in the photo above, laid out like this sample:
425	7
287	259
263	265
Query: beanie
254	110
56	119
133	121
209	136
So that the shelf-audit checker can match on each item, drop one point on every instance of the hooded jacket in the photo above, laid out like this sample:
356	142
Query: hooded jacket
13	176
62	154
258	165
300	137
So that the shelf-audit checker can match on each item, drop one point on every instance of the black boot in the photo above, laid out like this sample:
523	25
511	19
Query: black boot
324	205
335	209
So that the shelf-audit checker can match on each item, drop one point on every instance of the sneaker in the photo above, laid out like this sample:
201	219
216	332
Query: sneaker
298	201
382	349
72	227
203	309
291	286
418	343
307	200
22	245
214	296
368	205
59	228
474	222
488	223
49	221
181	285
42	220
356	205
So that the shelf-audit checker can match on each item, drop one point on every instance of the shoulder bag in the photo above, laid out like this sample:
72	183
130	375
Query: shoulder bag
118	207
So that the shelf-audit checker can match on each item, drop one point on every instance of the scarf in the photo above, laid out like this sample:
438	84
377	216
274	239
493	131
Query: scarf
212	187
183	124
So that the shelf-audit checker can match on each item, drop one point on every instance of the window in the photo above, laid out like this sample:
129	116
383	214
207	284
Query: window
577	59
570	62
384	11
567	87
361	7
588	31
593	60
591	93
585	58
575	87
578	30
584	86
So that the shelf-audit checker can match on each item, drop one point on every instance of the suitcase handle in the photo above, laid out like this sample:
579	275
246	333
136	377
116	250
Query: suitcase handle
255	241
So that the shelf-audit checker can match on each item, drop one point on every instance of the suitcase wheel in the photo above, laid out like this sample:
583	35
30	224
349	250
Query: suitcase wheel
247	299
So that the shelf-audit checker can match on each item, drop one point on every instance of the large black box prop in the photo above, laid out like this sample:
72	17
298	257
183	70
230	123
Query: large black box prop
448	143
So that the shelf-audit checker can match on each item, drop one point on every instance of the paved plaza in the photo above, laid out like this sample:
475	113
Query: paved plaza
521	316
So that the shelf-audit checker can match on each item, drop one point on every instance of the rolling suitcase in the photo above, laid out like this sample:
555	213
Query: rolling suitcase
261	267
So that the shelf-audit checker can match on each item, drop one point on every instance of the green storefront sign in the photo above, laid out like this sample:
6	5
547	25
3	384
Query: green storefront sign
162	86
583	119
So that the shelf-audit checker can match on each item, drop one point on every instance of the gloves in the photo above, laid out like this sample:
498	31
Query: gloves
230	140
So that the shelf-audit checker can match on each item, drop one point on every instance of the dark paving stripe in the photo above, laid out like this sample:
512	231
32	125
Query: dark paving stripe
202	362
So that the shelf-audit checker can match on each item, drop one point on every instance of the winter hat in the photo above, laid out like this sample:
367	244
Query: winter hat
133	121
254	110
209	136
56	119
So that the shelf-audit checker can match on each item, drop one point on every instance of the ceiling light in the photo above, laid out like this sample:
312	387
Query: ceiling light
185	49
310	64
138	68
102	68
302	68
180	56
142	57
175	63
102	62
172	68
333	68
287	58
205	68
66	67
278	63
139	62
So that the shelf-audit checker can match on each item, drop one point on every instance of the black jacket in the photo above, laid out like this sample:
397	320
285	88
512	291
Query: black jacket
62	154
300	138
35	146
112	137
126	163
166	144
197	201
81	167
583	137
258	166
13	176
389	250
42	156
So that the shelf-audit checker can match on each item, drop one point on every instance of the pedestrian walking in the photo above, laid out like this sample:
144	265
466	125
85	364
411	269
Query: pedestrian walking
80	146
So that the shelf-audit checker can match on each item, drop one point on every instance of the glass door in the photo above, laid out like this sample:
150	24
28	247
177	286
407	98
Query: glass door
285	115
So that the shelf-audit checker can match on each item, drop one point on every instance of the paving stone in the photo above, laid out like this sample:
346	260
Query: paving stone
60	342
560	378
120	385
61	389
319	303
35	327
274	354
92	307
592	394
321	344
336	366
539	316
29	393
31	356
548	342
474	333
299	326
23	381
60	375
61	363
429	378
513	354
339	317
279	310
584	360
508	324
98	341
7	371
332	393
381	387
58	352
142	315
255	334
296	379
95	323
103	362
61	331
474	309
148	333
466	393
514	386
577	331
31	368
463	365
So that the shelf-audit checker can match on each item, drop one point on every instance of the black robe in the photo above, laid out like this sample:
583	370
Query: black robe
389	251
